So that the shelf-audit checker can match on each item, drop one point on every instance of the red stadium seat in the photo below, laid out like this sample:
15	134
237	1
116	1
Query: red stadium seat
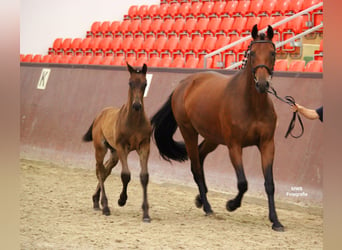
144	27
132	11
103	29
206	9
213	26
147	46
267	7
122	29
251	21
118	60
133	27
96	59
136	45
265	21
104	46
46	59
162	10
165	61
140	61
230	8
281	7
76	59
297	66
55	58
125	45
294	7
314	66
113	28
178	62
195	46
183	10
189	27
255	8
172	10
65	46
170	45
86	59
208	44
94	29
195	9
318	54
242	8
153	61
75	44
221	42
177	26
36	58
218	9
280	65
158	46
107	60
141	12
114	45
200	64
183	45
84	45
201	26
191	62
154	27
55	46
238	25
93	46
225	25
28	58
166	27
151	11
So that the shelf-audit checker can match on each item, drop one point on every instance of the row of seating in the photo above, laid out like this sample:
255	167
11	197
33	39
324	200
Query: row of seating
204	26
187	9
299	65
166	60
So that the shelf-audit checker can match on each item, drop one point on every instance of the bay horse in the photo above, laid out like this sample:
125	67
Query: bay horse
234	111
122	130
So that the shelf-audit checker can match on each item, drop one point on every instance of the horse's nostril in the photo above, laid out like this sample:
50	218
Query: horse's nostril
136	106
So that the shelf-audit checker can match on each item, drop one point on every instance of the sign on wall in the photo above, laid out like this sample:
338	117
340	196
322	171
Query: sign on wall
149	80
44	76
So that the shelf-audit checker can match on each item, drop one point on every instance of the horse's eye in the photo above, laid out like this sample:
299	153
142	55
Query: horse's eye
273	53
252	53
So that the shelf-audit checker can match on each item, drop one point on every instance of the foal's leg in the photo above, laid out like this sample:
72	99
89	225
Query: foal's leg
191	140
204	149
144	152
125	174
235	154
110	163
267	155
100	153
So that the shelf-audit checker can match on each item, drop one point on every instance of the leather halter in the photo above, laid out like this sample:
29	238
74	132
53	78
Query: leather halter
270	71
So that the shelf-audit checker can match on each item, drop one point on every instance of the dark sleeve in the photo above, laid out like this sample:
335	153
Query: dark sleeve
320	113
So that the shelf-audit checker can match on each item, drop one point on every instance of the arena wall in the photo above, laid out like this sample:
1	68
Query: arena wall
53	121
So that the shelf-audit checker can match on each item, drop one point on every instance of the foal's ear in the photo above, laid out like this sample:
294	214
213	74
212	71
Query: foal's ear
255	32
130	68
270	32
144	69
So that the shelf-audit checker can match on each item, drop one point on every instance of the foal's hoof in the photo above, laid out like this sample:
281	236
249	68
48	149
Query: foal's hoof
106	211
121	202
231	206
278	227
96	207
198	201
147	219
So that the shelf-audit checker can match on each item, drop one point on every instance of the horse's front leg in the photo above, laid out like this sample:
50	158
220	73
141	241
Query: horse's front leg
267	156
144	152
235	153
125	174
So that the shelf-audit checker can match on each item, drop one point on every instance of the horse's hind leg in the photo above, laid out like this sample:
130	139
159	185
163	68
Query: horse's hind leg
110	163
235	154
191	139
204	149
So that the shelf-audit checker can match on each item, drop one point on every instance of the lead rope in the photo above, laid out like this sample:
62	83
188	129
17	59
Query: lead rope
291	101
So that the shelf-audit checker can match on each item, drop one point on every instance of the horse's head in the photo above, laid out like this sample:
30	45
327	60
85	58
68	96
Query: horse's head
137	85
262	58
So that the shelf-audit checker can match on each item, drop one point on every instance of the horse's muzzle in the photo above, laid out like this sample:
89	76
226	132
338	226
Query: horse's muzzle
262	86
137	106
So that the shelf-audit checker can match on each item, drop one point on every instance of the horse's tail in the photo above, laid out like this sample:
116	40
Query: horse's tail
89	135
164	126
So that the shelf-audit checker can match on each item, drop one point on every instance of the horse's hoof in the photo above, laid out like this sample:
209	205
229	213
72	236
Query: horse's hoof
96	208
230	206
147	219
121	202
106	211
198	201
278	227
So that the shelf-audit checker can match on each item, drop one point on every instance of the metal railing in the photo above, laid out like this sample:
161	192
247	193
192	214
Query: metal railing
285	20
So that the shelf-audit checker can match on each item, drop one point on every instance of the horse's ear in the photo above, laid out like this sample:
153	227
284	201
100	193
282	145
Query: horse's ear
130	68
255	32
144	69
270	32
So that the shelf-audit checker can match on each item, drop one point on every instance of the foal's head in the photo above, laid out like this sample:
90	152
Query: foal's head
137	85
262	58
